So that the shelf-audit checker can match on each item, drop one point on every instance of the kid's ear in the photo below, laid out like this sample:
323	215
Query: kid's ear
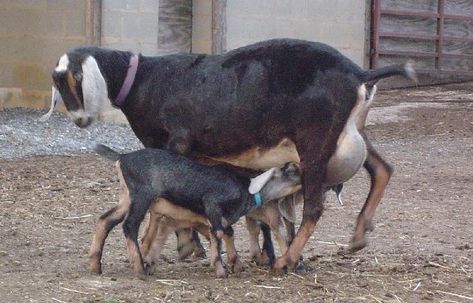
259	181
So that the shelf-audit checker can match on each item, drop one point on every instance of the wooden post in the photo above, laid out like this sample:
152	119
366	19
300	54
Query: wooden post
93	22
175	26
219	26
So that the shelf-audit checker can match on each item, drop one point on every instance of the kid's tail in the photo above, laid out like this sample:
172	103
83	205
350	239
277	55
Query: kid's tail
106	152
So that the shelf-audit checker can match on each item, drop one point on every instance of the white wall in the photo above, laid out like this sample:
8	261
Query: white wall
339	23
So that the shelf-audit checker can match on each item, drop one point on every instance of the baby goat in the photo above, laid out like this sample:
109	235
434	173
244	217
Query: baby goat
174	186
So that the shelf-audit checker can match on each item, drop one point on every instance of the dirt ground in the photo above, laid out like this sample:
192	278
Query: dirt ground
420	250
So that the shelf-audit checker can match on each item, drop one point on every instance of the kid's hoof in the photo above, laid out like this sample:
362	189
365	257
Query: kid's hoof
186	250
220	271
280	267
150	268
237	266
199	253
142	276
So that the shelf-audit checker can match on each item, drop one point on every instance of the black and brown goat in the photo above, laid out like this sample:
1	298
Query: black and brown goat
172	185
258	106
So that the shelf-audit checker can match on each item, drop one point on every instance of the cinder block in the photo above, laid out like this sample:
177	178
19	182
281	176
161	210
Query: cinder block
149	6
148	27
111	23
130	25
148	49
66	5
122	5
23	4
6	74
75	23
20	21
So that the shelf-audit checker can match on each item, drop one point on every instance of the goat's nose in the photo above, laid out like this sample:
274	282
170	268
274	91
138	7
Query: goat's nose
83	121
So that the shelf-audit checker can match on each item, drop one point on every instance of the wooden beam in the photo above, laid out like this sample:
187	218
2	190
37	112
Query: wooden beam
175	26
93	22
219	26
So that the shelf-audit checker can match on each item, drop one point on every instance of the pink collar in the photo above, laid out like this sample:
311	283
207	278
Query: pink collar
128	82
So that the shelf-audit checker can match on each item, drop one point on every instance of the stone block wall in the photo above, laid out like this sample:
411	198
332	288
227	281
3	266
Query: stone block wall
33	34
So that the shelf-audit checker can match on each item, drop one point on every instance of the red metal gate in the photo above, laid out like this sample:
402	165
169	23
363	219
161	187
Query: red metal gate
436	34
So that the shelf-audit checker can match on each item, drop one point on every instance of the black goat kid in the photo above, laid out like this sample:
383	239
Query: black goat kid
174	186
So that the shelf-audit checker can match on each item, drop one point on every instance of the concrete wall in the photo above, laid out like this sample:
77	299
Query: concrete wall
339	23
130	25
33	34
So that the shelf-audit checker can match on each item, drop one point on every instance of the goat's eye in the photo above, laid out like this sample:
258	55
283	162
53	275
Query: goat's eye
78	76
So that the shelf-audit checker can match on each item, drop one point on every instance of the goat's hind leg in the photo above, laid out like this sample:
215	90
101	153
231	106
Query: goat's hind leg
380	172
104	225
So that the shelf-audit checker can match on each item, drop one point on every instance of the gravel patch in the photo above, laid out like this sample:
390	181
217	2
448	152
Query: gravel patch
22	135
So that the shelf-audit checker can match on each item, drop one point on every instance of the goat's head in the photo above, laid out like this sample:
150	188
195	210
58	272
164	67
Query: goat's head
277	182
78	81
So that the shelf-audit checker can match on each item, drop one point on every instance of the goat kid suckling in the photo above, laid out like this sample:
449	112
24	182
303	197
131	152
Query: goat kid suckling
174	186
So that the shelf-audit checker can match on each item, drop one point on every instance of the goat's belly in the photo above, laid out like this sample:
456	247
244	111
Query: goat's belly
344	163
170	210
347	160
259	158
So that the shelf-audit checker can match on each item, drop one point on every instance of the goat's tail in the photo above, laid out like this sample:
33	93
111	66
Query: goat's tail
406	70
106	152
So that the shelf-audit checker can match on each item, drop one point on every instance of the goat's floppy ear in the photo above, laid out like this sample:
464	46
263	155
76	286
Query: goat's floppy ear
259	181
55	99
287	208
94	87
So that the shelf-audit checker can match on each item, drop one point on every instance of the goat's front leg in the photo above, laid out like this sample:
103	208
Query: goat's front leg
255	250
164	229
149	233
380	172
232	255
216	260
277	227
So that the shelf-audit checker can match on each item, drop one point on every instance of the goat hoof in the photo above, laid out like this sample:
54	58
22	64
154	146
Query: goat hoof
199	253
280	267
221	271
185	250
357	245
264	260
300	267
96	269
237	265
142	276
150	267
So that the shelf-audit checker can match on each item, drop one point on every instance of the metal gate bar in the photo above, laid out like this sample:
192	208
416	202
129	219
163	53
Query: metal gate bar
439	37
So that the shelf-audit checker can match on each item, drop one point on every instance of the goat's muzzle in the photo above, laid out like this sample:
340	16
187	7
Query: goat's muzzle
83	122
